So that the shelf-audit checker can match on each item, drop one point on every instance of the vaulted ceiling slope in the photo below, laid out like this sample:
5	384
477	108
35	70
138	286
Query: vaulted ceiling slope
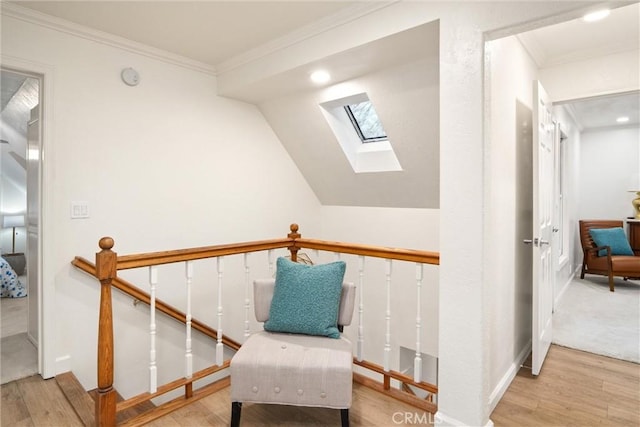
401	78
399	73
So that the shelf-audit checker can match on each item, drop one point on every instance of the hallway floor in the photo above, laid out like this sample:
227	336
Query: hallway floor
18	355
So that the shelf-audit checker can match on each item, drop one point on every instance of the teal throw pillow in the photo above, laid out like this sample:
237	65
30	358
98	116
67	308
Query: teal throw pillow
306	298
612	237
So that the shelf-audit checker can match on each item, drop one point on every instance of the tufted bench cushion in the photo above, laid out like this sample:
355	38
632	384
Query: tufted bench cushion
291	369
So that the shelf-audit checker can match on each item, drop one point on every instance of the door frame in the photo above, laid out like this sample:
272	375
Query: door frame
46	233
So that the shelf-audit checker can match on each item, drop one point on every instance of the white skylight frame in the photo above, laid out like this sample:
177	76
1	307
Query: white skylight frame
374	156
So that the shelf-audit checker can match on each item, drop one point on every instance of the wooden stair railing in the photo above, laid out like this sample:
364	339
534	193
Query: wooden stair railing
106	398
139	295
108	263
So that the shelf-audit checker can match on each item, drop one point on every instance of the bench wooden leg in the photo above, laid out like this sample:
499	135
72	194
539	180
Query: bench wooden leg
236	408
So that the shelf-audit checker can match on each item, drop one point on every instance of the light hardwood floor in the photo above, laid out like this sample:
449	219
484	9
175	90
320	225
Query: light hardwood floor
574	389
35	402
18	356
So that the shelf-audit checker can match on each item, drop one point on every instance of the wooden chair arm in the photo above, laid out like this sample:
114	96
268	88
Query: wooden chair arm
599	248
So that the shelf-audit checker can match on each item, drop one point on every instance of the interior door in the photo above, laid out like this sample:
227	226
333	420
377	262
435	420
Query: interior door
543	177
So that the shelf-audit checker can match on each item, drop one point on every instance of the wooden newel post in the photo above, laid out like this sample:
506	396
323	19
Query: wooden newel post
293	236
106	271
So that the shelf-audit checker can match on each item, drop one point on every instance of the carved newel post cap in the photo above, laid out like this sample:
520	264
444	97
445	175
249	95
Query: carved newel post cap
293	228
106	243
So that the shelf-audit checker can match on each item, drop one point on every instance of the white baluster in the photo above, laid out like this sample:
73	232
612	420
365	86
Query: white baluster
153	370
188	357
360	346
219	347
247	293
387	337
417	362
336	255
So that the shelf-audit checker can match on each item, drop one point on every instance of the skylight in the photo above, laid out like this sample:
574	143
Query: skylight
355	122
365	120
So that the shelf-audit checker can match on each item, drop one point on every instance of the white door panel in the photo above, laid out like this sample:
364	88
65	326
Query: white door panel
543	177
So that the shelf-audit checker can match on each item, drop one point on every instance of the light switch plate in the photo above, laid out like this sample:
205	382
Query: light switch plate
79	210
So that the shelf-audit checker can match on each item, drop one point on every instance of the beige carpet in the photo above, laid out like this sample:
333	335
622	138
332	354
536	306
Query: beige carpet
591	318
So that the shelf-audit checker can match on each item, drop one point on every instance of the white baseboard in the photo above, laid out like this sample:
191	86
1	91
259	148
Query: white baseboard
504	383
32	340
442	420
564	288
63	364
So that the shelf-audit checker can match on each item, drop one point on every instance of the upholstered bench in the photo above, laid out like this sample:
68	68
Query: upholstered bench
293	369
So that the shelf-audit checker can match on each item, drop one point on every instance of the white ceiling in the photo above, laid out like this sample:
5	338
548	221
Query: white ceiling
207	31
215	32
578	40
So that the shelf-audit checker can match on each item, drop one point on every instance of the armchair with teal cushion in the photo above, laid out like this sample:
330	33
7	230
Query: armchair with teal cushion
607	251
301	358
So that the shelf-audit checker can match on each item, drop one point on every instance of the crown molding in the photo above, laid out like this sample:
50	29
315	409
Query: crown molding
586	55
323	25
62	25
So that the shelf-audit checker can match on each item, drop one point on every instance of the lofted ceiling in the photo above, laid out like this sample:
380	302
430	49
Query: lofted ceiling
195	29
222	34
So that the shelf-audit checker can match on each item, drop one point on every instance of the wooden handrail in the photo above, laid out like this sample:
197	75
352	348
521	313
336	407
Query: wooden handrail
108	263
410	255
293	243
167	257
140	295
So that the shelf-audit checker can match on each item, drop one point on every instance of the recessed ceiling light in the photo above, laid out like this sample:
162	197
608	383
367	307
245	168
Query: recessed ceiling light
320	76
596	16
623	119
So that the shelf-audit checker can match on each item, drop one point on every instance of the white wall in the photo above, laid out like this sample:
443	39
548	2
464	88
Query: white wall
608	167
512	73
163	165
572	251
13	201
464	290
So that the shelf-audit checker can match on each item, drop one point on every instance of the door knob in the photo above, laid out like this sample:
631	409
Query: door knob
535	241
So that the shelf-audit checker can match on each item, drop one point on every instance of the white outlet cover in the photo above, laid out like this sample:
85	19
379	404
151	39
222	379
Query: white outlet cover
79	210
